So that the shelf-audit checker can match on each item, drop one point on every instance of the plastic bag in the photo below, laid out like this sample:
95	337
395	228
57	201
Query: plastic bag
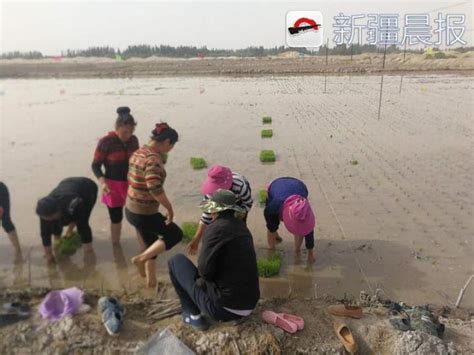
59	304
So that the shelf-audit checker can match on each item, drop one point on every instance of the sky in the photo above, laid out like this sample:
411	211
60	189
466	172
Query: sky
54	26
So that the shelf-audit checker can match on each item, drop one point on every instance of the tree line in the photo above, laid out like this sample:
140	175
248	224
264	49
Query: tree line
144	51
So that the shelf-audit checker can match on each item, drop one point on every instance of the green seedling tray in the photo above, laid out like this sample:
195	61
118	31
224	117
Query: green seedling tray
164	157
69	246
270	266
267	156
198	163
267	133
189	230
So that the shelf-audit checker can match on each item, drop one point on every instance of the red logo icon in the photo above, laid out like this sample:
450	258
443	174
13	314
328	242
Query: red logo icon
303	24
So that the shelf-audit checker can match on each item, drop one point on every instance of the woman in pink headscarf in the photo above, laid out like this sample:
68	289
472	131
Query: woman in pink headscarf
287	201
221	177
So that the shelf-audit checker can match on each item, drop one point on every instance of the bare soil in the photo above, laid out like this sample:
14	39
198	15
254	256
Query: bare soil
84	333
289	63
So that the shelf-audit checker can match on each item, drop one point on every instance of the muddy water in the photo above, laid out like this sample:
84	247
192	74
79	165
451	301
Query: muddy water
393	197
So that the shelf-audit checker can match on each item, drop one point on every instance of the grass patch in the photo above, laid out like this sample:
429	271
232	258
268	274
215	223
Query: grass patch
267	156
266	120
267	133
438	55
262	196
354	162
70	245
268	267
189	230
442	55
198	163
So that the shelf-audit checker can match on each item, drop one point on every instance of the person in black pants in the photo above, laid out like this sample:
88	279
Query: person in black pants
112	153
5	218
69	204
146	194
225	284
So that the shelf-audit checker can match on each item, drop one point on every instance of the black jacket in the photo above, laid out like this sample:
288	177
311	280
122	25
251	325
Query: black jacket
228	264
76	197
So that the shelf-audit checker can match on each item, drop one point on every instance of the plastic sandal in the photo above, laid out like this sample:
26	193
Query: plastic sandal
278	321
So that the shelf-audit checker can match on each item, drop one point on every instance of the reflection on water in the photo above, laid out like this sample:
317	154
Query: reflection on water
107	267
296	278
296	282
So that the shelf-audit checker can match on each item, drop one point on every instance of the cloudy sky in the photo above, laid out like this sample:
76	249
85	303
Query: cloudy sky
52	26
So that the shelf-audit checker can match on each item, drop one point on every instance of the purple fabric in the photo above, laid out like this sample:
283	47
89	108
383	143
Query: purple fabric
59	304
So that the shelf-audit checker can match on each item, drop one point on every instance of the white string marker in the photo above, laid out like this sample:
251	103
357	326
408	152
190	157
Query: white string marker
461	293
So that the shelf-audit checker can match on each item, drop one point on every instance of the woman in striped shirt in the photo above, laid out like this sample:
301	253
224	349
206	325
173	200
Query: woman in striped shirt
221	177
146	177
113	152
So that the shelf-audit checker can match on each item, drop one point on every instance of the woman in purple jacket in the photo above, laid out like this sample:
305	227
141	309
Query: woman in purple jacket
287	201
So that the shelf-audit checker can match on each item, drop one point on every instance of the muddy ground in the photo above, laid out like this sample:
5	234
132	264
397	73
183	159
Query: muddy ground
84	333
289	63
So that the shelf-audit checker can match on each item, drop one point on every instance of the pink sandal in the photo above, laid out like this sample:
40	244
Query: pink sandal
294	319
278	321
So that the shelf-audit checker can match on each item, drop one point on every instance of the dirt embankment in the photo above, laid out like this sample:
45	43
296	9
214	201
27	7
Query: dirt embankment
85	334
287	64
